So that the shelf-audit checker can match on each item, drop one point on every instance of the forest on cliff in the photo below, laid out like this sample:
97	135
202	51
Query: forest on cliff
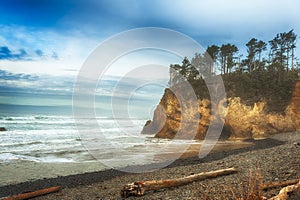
267	73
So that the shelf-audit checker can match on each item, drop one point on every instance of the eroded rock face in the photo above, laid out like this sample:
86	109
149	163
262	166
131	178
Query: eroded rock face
241	121
294	108
169	121
251	122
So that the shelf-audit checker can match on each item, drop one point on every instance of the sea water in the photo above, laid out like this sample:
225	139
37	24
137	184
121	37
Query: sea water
59	138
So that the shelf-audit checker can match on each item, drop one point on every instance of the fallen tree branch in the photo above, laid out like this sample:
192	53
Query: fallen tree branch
270	185
33	194
139	188
284	192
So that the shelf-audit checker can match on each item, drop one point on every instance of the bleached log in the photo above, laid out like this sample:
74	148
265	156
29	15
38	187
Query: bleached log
270	185
284	192
139	188
33	194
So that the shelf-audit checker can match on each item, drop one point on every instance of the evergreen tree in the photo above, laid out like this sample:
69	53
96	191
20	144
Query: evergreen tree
227	53
213	52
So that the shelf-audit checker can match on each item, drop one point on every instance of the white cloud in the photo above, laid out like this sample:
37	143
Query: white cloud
219	21
71	49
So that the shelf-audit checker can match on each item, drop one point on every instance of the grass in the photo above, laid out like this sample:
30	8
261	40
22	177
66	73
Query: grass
249	190
252	190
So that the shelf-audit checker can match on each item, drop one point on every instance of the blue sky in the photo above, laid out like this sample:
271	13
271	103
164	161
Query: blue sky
46	40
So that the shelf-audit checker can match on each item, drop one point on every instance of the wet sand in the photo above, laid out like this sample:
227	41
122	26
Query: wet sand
18	172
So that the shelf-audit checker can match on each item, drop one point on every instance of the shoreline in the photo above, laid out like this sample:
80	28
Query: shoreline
217	159
25	171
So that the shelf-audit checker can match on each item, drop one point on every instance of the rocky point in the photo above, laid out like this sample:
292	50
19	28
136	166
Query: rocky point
241	121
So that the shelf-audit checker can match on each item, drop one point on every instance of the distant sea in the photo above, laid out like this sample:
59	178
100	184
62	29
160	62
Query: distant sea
49	134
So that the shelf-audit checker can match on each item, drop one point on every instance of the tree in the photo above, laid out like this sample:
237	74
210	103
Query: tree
278	56
260	47
198	64
291	45
227	53
255	49
174	75
282	50
278	48
213	51
281	59
251	45
184	68
180	73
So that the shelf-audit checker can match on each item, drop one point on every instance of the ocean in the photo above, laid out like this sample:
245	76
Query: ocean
54	138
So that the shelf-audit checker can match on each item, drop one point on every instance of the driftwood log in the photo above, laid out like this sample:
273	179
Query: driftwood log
33	194
270	185
139	188
284	192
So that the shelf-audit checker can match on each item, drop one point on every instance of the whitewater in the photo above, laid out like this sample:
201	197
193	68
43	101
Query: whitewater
55	138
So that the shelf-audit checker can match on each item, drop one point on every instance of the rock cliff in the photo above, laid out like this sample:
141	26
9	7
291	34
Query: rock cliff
241	121
294	108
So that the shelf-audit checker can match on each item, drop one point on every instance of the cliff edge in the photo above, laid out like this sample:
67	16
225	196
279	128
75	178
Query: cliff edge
241	121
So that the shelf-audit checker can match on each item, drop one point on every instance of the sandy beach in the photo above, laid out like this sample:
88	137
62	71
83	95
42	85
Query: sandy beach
274	159
22	171
18	172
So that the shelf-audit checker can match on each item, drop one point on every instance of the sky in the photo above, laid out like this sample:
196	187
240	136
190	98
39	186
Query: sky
47	41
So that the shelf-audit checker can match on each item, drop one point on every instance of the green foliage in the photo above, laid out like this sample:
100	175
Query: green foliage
282	48
256	78
257	86
260	85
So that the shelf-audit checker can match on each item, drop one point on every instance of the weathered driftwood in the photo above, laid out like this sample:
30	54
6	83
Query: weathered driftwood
270	185
33	194
139	188
284	192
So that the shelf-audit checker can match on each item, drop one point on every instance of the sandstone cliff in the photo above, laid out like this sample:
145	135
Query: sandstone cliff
294	108
241	121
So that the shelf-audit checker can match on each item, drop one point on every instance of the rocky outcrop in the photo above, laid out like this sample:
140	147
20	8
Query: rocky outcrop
252	121
241	121
168	119
2	129
294	108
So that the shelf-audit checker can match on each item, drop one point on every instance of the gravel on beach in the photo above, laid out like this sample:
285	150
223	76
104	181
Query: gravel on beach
273	159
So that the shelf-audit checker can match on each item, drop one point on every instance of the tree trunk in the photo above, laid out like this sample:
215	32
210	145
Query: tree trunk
139	188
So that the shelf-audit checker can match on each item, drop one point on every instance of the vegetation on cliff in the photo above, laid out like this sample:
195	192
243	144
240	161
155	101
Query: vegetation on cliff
266	73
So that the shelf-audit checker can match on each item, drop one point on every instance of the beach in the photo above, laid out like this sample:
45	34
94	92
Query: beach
276	158
21	171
